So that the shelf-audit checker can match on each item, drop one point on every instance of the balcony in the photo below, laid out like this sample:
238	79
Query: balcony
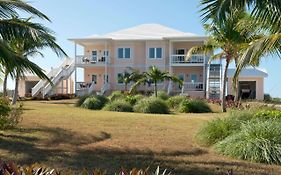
83	60
193	86
181	60
83	88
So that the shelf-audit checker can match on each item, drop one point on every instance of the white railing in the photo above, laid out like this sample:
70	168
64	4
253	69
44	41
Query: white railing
66	69
91	88
104	88
182	59
192	86
89	60
38	87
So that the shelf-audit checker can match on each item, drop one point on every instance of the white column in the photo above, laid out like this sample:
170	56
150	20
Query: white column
75	69
170	67
204	75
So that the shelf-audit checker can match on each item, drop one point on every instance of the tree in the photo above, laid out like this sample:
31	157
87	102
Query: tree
155	75
25	47
265	12
9	28
229	38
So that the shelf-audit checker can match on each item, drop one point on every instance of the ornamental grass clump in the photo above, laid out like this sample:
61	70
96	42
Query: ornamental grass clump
119	106
152	105
194	106
95	102
258	141
174	102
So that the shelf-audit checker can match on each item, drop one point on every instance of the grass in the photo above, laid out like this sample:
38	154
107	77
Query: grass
57	134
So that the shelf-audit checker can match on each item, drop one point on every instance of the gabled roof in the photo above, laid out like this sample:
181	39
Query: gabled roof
144	32
249	72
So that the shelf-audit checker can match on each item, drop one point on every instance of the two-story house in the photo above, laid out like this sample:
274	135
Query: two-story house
106	57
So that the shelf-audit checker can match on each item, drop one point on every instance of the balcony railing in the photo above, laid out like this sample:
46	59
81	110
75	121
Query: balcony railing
181	59
193	86
89	60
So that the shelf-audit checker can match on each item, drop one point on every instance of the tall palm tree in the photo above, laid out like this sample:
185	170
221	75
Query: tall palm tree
266	12
229	38
155	76
10	28
24	47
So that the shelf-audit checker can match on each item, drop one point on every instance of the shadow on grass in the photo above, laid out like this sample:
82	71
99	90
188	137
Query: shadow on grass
60	148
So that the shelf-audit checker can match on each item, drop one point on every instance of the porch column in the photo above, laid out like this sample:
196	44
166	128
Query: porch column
204	76
106	62
170	86
75	69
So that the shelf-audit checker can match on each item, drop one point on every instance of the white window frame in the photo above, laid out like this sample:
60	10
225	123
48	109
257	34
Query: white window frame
92	78
124	48
105	78
97	56
191	77
155	52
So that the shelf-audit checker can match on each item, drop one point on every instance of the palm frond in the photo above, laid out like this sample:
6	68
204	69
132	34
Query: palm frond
9	8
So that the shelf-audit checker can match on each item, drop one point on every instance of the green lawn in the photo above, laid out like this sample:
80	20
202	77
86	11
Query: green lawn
57	134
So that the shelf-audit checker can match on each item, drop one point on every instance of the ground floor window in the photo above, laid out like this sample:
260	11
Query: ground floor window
94	78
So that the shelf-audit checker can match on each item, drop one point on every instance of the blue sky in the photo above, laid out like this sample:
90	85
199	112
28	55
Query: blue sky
78	18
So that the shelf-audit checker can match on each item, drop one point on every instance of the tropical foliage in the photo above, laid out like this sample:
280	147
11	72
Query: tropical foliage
155	76
250	135
20	39
230	39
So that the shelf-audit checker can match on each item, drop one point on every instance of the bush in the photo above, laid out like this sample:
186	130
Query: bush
119	106
81	100
217	130
116	95
194	106
162	95
133	99
152	105
257	141
95	103
268	114
174	102
9	116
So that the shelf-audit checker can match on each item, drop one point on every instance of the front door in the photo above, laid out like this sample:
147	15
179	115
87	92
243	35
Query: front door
94	56
94	78
181	77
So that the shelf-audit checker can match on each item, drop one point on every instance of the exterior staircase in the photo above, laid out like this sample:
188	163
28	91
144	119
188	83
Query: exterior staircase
56	75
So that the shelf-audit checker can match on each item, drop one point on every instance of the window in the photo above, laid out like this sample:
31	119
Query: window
94	56
193	78
124	53
155	52
120	78
105	78
94	79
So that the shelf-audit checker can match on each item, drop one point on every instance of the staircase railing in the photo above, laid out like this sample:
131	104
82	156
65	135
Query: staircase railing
62	73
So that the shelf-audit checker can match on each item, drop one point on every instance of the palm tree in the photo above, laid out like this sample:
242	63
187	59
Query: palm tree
155	75
24	47
265	12
10	28
229	38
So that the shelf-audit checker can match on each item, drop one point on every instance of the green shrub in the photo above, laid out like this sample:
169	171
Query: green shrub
256	141
162	95
174	102
81	100
152	105
217	130
9	116
116	95
119	106
194	106
268	114
133	99
95	103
